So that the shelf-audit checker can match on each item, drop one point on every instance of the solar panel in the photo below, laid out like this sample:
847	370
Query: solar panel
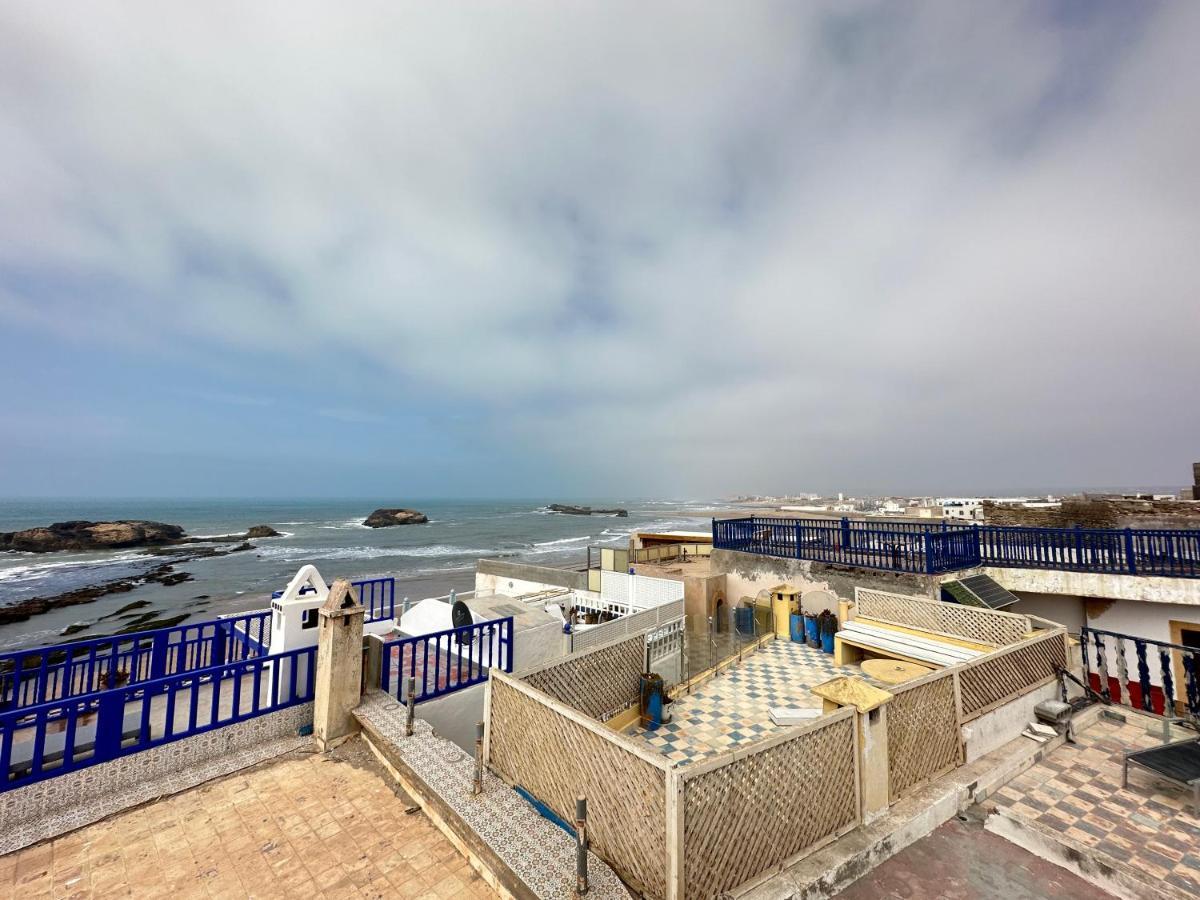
981	591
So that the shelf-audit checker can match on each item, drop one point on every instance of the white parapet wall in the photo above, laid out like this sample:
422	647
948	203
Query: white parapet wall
1101	586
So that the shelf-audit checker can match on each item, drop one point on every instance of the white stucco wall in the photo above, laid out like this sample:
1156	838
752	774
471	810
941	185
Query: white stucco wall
1106	587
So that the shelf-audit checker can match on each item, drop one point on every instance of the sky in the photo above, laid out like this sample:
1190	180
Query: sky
597	249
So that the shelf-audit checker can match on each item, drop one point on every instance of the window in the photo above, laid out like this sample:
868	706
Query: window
309	618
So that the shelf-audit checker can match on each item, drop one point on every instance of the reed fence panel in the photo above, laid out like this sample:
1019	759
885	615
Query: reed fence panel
984	626
924	739
557	758
599	683
1008	673
747	817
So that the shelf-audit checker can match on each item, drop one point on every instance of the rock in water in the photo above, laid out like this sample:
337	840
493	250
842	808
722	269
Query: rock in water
79	535
568	510
261	531
385	518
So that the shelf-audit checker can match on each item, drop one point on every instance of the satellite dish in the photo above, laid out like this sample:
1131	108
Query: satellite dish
460	616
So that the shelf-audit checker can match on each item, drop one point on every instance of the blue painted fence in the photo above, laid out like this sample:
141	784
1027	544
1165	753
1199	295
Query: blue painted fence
446	661
32	677
895	546
942	547
59	736
1125	551
378	595
72	669
1154	676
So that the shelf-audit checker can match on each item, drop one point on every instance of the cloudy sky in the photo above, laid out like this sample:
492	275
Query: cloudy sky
622	249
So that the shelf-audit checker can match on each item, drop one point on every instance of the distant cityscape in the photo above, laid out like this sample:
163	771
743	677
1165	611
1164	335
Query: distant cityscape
971	509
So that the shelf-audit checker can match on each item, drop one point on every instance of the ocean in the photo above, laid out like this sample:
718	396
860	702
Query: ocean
427	560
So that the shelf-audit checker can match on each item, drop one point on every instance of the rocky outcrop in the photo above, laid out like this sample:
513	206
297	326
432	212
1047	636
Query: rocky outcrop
82	535
386	518
261	531
164	573
586	511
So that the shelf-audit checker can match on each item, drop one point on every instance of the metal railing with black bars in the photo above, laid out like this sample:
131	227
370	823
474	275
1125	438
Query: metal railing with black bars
944	547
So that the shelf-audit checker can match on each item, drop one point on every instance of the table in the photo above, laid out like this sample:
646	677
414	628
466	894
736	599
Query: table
893	671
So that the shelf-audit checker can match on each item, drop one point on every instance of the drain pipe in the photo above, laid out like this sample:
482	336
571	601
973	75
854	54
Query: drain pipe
411	704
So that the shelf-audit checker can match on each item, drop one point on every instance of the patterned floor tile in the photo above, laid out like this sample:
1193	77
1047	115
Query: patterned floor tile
732	708
1076	791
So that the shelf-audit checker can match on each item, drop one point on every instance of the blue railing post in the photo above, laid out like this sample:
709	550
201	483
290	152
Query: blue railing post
845	533
110	724
158	655
1130	562
928	555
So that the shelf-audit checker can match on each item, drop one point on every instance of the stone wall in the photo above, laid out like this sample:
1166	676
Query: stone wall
748	573
1097	513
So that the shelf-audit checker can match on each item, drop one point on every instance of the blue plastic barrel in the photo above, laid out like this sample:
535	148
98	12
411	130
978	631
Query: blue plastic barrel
743	619
810	631
651	691
827	642
797	628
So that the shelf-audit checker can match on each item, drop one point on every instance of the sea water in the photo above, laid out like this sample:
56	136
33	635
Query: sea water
428	560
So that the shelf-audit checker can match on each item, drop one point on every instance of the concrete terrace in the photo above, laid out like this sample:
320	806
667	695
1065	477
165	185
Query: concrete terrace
1072	802
302	825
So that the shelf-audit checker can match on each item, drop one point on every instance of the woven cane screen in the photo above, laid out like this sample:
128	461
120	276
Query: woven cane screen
983	625
1009	673
746	818
599	683
557	760
923	734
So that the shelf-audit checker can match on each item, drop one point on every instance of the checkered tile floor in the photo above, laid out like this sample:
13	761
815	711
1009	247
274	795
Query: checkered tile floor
732	707
1147	829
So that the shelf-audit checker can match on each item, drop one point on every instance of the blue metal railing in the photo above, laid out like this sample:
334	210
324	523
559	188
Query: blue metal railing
1146	679
895	546
1127	551
60	736
378	595
32	677
57	672
936	548
446	661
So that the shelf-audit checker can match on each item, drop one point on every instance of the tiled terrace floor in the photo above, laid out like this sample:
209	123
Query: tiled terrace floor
961	861
1075	793
732	707
299	826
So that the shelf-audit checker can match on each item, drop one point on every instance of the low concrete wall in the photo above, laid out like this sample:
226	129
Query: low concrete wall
994	729
504	577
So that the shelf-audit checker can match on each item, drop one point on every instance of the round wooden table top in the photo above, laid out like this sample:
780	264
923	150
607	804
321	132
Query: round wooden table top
893	671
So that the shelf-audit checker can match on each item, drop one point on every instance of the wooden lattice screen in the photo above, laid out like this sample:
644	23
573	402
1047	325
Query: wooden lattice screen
746	817
599	683
924	739
557	757
1000	676
984	626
